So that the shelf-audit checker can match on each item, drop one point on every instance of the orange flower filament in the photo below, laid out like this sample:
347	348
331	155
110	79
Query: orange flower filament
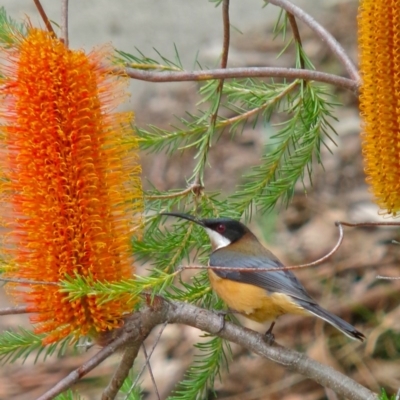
69	181
379	43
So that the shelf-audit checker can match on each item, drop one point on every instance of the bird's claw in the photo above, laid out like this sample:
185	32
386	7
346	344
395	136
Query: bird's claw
269	337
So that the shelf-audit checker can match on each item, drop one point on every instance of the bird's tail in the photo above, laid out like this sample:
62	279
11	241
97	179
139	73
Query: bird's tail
334	320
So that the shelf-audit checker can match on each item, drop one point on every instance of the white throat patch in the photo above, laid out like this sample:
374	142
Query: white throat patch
217	241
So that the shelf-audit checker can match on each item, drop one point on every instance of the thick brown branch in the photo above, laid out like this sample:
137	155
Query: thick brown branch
139	325
290	359
248	72
130	354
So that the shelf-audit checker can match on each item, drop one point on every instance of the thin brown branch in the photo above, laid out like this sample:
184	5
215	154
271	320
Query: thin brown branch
139	324
269	269
14	310
27	281
147	361
44	17
159	67
198	178
64	22
245	72
112	389
194	187
323	34
151	372
388	278
224	58
227	33
296	35
366	224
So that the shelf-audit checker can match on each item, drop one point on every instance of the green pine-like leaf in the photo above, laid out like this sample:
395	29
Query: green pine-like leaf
22	343
214	354
384	396
69	395
8	29
291	153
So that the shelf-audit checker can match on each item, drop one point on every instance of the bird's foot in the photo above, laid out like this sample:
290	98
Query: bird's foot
269	337
223	314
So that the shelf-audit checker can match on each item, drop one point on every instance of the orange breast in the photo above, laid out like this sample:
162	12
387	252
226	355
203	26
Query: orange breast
252	301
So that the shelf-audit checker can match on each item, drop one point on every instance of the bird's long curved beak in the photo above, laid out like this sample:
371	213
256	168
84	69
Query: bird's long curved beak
184	216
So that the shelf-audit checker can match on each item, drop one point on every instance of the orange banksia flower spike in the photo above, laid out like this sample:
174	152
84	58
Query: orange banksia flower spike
69	181
379	45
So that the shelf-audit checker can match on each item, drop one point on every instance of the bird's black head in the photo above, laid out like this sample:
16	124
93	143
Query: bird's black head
227	227
222	231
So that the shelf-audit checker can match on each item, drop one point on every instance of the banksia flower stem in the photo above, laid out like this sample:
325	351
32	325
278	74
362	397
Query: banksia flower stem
69	181
379	43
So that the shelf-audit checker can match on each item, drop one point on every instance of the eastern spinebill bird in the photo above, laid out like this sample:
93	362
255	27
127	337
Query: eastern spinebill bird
259	295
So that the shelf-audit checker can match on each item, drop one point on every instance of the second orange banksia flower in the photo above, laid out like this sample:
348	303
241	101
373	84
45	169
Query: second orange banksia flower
379	44
69	181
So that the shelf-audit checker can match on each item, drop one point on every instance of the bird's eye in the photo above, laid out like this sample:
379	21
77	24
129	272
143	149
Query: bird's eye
220	228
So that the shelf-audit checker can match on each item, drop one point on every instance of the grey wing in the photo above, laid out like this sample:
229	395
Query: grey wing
278	281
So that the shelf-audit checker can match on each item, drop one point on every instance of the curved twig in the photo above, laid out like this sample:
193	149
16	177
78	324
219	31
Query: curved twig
322	33
367	224
269	269
244	72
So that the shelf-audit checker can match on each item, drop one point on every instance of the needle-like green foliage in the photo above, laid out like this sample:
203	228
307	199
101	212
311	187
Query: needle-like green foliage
129	391
21	344
69	395
384	396
290	154
8	29
199	380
